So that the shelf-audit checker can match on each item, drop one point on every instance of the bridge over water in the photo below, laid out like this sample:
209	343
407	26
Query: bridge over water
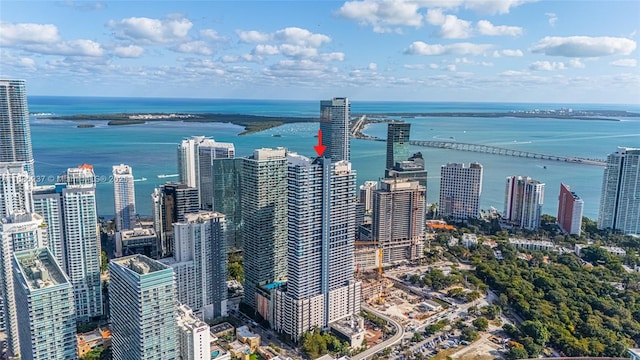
495	150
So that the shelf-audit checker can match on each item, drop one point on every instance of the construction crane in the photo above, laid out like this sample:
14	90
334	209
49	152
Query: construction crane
380	300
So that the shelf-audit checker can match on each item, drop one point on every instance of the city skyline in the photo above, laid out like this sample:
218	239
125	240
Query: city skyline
368	50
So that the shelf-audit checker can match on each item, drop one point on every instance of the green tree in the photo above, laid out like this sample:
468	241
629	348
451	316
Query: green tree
468	334
104	261
536	330
236	271
517	353
94	354
481	323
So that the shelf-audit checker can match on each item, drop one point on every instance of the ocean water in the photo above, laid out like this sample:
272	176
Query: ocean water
151	148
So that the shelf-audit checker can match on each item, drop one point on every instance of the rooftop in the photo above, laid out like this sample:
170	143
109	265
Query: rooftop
243	331
140	264
137	232
39	269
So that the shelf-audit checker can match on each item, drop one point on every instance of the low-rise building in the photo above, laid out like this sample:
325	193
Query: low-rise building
217	352
239	350
469	240
222	329
92	339
541	245
246	336
193	335
350	329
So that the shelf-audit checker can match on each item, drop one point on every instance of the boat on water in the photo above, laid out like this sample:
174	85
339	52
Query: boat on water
162	176
141	179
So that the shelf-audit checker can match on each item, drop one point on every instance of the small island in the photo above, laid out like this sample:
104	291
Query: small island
251	123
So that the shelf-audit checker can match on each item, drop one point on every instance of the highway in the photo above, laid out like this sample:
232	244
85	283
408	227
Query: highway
385	344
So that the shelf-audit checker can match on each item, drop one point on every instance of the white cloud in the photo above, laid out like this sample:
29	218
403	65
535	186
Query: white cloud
413	66
131	51
211	35
22	63
553	19
493	7
450	26
487	28
27	33
193	47
510	52
383	15
547	66
253	37
421	48
301	37
513	73
584	46
265	50
83	5
576	63
69	48
147	30
451	67
625	63
298	51
434	66
373	66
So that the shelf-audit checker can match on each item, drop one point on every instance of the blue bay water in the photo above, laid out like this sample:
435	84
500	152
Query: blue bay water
151	148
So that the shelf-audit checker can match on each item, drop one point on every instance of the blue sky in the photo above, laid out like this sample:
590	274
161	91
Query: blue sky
430	50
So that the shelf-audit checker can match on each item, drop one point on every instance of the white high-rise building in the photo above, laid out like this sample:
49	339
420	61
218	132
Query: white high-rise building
142	300
321	218
124	197
336	129
47	202
523	200
15	130
620	196
82	240
196	171
460	189
200	263
19	232
366	194
194	336
399	219
16	188
45	308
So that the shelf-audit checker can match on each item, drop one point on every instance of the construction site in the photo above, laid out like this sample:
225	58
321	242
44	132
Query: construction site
400	302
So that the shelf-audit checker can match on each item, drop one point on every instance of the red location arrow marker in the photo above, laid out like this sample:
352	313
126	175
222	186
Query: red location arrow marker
320	148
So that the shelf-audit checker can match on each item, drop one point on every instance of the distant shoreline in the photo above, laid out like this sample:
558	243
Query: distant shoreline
257	123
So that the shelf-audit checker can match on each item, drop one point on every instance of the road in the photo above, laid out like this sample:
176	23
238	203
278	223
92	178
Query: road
385	344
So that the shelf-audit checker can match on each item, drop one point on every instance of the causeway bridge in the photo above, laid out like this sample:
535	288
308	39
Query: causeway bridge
495	150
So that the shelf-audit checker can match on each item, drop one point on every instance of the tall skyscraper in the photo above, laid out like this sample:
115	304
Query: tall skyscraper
532	205
226	184
335	126
366	194
194	336
82	240
15	130
170	204
15	190
460	189
397	143
620	197
399	219
209	153
47	202
124	197
321	209
188	162
264	212
142	299
22	231
45	308
523	200
200	263
570	207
